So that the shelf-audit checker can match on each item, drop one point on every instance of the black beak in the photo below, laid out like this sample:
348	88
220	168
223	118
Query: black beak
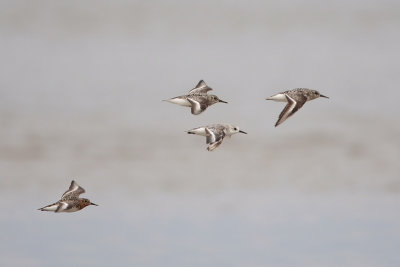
323	96
93	204
223	101
240	131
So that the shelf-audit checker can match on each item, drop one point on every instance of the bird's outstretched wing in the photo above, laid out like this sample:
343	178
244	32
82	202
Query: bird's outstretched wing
292	107
73	192
214	138
201	88
198	105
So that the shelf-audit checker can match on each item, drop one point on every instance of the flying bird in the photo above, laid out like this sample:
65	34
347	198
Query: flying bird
197	99
215	133
70	200
296	98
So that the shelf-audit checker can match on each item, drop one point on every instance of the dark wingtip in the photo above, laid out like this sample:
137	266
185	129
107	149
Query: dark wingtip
200	82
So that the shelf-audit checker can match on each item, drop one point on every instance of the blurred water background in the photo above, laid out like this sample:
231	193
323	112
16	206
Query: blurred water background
81	85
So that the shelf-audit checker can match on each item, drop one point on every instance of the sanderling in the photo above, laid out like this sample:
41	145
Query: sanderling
197	98
70	200
215	133
296	98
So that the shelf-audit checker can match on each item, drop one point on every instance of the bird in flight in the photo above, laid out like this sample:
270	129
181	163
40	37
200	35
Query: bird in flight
295	99
215	133
70	200
197	99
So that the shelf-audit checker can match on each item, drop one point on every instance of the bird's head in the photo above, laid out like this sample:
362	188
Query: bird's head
214	99
86	202
232	129
316	94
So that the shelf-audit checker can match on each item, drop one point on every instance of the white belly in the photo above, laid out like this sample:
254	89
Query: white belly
278	98
50	208
71	210
179	101
199	131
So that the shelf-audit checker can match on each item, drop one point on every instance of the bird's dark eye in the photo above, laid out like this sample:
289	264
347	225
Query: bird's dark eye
235	129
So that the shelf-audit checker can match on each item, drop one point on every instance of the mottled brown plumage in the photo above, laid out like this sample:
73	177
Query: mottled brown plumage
197	99
70	200
296	98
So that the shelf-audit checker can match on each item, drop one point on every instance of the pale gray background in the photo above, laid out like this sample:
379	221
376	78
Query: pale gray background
80	97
